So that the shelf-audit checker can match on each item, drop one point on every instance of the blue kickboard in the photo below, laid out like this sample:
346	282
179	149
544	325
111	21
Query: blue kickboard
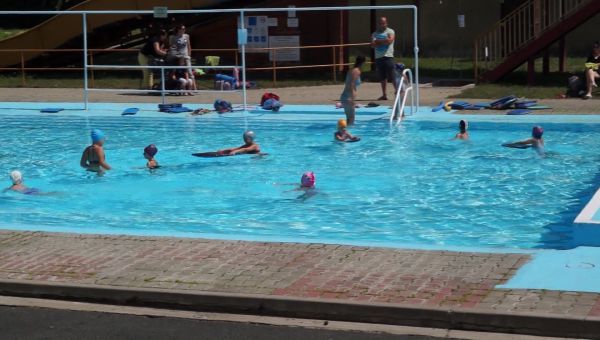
438	108
504	100
130	111
518	112
51	110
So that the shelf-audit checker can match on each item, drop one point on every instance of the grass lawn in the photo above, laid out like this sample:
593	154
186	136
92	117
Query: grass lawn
546	86
494	91
6	33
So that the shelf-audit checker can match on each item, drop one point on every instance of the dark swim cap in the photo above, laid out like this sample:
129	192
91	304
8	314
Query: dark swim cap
151	150
537	132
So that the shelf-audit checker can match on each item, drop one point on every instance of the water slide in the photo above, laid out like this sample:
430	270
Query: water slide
61	29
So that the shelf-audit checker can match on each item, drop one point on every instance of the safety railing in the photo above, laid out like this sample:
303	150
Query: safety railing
274	66
401	97
163	79
517	29
242	32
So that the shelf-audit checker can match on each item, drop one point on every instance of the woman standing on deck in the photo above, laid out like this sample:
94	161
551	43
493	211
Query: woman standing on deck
180	47
351	85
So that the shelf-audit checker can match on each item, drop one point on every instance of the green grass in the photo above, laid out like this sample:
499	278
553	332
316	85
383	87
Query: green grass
7	33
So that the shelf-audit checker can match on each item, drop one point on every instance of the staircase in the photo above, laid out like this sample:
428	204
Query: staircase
527	32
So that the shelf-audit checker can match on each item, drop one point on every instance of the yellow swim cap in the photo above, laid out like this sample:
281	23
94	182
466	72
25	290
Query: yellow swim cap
342	124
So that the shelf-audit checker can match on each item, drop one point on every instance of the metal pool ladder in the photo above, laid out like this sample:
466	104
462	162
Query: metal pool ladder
400	99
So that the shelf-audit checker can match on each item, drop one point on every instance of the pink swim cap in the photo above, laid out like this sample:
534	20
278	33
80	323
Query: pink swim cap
537	132
308	179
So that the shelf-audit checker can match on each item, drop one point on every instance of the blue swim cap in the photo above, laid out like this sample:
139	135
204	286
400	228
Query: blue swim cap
97	135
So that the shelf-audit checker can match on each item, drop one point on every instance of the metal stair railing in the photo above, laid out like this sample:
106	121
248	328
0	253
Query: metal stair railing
401	97
523	25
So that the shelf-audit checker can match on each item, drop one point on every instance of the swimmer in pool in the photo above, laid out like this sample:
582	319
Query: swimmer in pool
307	184
342	135
93	158
463	133
17	184
536	141
249	147
149	152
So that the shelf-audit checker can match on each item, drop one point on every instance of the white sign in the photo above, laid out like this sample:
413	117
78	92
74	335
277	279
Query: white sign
292	22
288	54
291	11
161	12
272	22
461	21
258	33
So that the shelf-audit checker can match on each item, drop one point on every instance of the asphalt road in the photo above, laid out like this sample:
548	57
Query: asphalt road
44	323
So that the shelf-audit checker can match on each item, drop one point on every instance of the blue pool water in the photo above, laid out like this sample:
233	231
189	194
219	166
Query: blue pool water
408	185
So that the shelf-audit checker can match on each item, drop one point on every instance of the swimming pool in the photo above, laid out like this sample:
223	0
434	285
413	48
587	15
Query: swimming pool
411	185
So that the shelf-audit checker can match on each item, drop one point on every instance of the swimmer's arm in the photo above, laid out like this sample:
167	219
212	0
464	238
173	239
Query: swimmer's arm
253	148
102	159
523	143
529	141
83	162
387	41
355	75
159	50
339	137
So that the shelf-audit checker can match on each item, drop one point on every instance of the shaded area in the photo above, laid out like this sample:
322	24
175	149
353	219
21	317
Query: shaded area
16	323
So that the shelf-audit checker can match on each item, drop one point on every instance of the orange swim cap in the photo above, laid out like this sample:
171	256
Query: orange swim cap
342	124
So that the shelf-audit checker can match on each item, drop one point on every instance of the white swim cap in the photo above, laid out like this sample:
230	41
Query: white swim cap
249	135
16	177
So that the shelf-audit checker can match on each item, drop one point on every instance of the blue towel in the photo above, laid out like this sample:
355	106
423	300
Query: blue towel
179	109
166	107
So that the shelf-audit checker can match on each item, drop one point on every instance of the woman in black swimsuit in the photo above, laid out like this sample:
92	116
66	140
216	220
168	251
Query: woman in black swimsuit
93	158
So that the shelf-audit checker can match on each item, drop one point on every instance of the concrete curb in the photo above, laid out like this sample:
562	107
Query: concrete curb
394	314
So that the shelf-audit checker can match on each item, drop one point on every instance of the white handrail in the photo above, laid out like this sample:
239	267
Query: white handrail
407	73
162	69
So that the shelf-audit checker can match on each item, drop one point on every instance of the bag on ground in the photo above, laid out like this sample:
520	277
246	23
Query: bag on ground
272	104
267	96
575	87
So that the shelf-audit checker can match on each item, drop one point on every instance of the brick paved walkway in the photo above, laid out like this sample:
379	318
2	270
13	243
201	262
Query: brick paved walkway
416	277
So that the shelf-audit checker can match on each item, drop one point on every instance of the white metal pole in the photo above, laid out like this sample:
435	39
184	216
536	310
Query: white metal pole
416	37
245	94
85	62
162	84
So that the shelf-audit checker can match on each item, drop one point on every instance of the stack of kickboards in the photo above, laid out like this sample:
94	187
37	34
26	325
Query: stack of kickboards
515	105
173	108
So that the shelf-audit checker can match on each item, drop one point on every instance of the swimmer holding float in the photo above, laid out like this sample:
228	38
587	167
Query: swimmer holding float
249	147
342	135
93	157
536	141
